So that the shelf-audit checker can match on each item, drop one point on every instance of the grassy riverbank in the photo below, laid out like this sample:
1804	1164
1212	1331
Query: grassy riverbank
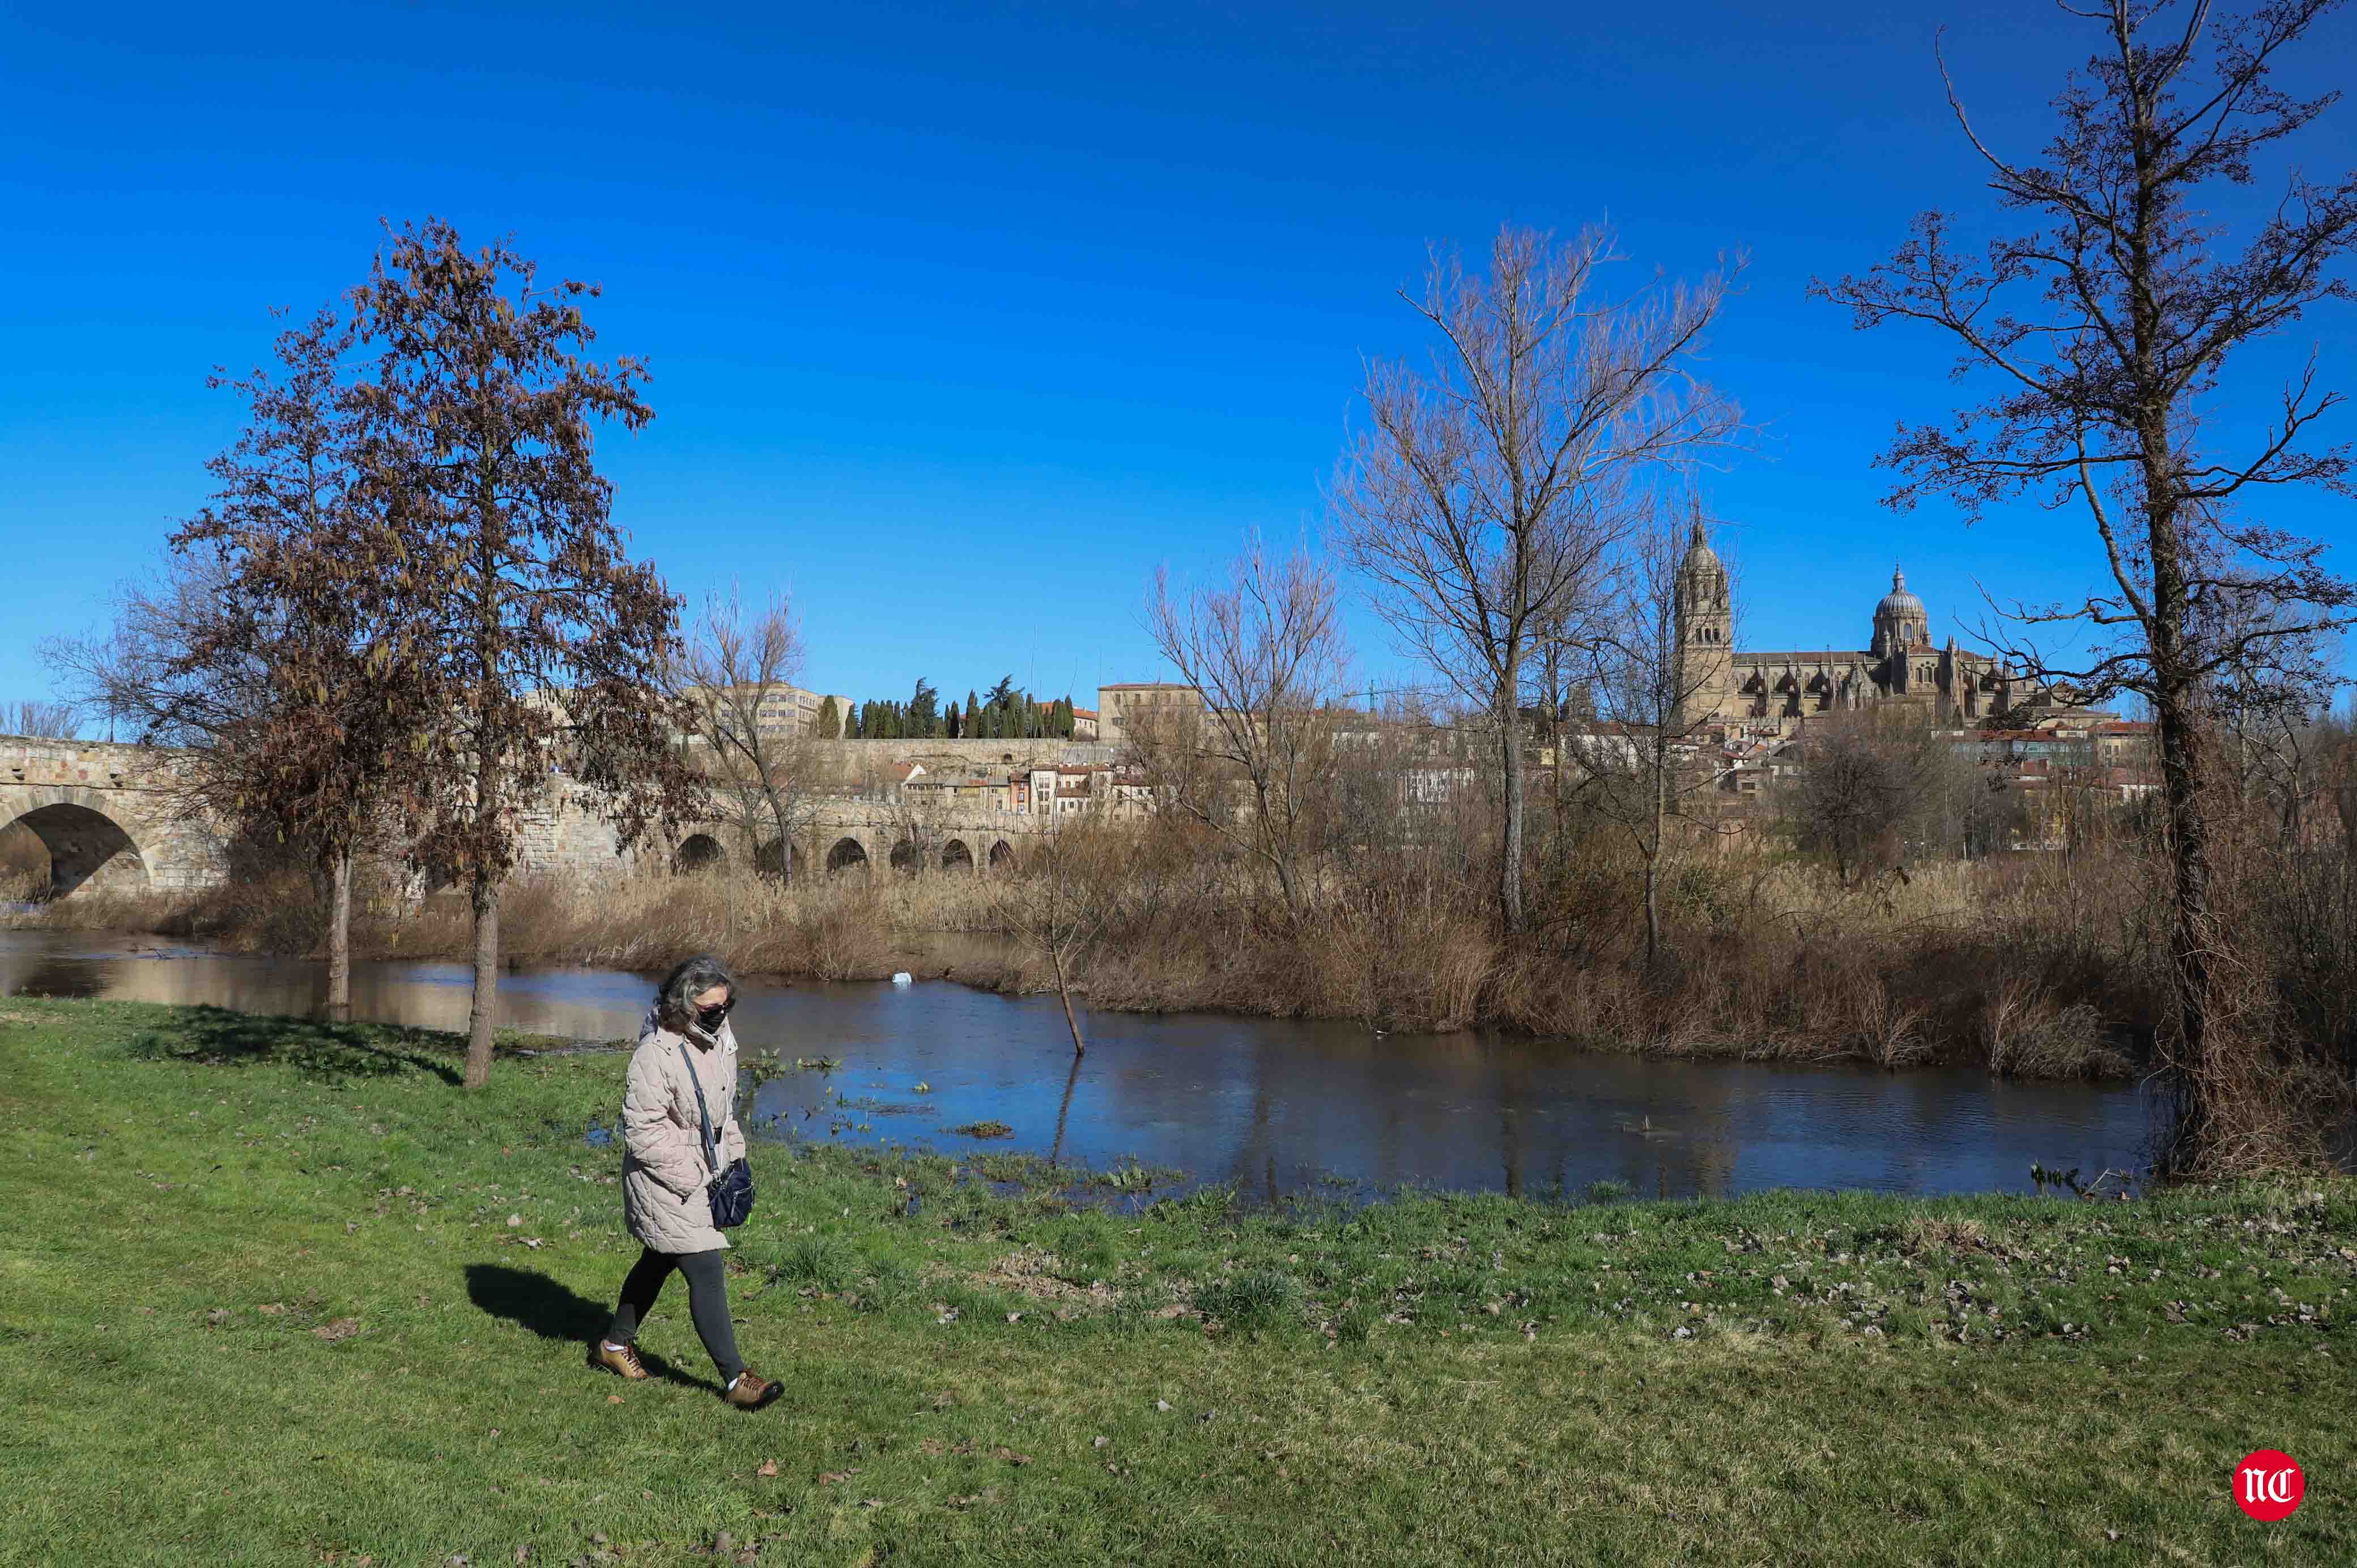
281	1294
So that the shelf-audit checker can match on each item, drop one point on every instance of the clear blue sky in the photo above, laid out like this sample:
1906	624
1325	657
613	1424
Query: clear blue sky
963	319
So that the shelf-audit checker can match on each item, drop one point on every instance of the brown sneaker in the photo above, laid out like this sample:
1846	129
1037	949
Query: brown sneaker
622	1362
751	1391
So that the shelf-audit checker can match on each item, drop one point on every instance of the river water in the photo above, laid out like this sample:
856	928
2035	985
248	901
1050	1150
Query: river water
1276	1106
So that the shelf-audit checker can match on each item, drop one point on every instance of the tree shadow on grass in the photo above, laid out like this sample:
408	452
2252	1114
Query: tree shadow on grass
555	1312
216	1037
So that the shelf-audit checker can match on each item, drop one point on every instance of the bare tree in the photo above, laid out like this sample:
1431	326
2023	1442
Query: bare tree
917	831
736	678
544	644
39	720
1657	654
1484	496
1265	653
138	672
2108	330
1060	906
1881	786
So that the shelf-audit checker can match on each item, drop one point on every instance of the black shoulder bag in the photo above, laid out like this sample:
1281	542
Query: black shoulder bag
732	1191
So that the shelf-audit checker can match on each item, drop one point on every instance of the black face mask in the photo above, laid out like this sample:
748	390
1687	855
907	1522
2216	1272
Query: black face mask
709	1019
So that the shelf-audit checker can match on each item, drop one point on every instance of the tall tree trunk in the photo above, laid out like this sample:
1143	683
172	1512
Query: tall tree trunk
2192	1052
1653	852
785	816
486	899
340	943
484	893
1509	868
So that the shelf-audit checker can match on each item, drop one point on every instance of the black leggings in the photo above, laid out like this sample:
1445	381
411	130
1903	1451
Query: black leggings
707	1303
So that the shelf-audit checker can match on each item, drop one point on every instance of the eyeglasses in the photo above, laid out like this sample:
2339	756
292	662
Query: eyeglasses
712	1018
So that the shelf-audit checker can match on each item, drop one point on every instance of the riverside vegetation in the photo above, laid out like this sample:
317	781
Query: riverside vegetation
2033	964
368	1291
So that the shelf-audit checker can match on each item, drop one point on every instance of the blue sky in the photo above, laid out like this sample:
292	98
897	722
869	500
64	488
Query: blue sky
964	318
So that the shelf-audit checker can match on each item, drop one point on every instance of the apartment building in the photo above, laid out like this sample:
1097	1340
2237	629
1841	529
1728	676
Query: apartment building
785	710
1122	708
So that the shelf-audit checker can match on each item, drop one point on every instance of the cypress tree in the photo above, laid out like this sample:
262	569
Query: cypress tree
830	720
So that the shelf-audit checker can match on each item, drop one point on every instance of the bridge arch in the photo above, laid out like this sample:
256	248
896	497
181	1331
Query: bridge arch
848	853
955	856
85	844
699	852
1002	856
777	859
908	856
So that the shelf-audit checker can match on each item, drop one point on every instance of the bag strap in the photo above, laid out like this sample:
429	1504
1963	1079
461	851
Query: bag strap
710	1151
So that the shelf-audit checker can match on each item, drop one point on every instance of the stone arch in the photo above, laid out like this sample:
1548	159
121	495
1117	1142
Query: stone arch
699	852
955	856
1002	856
848	854
776	860
85	844
907	857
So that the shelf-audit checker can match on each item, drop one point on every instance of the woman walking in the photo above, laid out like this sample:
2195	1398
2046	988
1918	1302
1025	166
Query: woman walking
686	1045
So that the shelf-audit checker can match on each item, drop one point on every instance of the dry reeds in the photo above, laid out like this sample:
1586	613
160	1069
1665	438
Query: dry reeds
2030	965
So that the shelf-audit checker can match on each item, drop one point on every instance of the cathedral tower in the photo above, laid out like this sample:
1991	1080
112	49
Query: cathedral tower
1705	631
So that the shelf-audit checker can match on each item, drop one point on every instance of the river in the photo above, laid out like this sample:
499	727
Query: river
1276	1106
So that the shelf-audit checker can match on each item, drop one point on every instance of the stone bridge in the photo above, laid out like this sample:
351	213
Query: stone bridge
855	835
107	816
109	820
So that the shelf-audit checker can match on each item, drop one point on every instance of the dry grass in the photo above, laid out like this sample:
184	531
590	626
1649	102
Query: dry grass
843	929
23	863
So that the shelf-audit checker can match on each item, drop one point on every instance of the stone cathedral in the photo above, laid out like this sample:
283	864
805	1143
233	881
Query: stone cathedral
1899	664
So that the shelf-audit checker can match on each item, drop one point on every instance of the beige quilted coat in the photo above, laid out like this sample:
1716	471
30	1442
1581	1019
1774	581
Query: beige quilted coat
665	1172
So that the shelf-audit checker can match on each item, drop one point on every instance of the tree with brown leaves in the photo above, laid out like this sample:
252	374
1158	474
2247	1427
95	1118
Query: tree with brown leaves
2107	328
297	677
543	646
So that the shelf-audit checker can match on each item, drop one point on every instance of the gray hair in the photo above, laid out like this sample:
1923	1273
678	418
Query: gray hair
675	998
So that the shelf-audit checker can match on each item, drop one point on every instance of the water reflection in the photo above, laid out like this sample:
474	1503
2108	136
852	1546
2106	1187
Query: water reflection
1276	1106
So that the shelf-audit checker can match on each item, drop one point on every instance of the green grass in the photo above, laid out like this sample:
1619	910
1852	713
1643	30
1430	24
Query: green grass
279	1293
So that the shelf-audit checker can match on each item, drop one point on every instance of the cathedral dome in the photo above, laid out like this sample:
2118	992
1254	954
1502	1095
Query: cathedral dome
1898	603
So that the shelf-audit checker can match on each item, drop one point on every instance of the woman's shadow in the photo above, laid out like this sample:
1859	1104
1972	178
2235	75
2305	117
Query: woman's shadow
556	1312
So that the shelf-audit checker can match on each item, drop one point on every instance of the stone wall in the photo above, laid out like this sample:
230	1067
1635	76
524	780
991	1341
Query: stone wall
868	764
